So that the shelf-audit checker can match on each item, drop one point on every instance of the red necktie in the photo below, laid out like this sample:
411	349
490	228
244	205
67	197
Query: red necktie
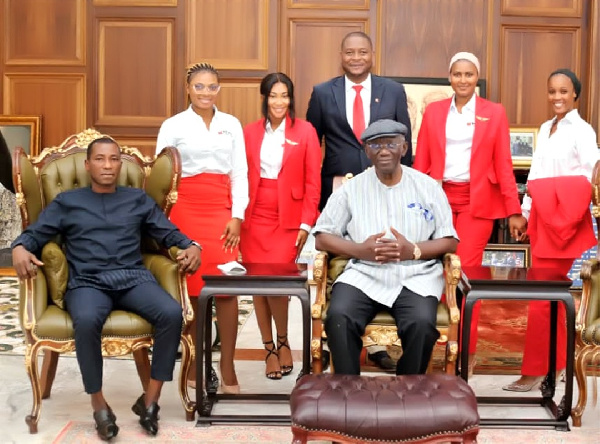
358	114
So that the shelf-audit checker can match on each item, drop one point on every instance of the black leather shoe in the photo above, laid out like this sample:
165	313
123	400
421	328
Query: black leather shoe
383	360
106	425
325	357
148	416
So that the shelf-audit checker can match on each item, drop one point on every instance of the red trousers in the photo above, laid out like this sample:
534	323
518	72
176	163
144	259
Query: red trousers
474	234
537	337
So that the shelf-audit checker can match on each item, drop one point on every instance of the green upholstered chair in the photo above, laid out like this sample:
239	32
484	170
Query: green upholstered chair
587	323
382	329
47	326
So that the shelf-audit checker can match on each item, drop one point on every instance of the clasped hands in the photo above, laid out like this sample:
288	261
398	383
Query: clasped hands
189	259
517	227
377	248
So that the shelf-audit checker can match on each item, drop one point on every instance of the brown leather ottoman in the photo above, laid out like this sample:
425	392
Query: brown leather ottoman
391	409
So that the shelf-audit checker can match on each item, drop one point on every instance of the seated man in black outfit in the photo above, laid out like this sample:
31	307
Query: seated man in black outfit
101	226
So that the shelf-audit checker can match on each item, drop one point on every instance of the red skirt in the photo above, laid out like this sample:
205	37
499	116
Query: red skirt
201	212
263	239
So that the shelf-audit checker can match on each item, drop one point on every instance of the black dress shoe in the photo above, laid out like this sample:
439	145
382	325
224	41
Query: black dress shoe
325	357
148	415
383	360
106	425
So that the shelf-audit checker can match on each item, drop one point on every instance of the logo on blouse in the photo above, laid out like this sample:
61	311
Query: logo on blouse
291	142
483	119
225	133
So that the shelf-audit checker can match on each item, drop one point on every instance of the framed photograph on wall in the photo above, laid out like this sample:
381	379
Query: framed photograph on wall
23	131
421	91
522	146
506	255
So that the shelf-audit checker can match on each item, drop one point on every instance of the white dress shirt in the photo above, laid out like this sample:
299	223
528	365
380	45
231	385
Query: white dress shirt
271	155
365	95
460	127
416	207
570	151
219	149
271	151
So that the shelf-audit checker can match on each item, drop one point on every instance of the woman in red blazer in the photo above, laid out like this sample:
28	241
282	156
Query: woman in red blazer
464	144
284	161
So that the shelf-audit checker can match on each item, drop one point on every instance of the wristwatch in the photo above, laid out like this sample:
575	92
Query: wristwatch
196	244
416	253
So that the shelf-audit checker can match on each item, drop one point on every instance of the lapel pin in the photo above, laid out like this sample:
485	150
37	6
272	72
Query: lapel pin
376	99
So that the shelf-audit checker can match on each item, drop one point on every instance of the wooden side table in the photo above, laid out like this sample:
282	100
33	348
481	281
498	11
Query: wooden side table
525	284
260	280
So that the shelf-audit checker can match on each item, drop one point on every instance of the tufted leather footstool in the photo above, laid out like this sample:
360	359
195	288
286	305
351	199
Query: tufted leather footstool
384	409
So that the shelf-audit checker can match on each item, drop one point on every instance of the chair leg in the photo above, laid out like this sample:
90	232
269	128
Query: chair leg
299	436
188	355
32	372
49	365
142	363
580	374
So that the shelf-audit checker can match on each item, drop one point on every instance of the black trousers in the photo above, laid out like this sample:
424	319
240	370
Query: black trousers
89	308
350	311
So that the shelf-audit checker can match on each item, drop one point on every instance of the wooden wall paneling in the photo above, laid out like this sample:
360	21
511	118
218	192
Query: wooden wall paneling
229	34
542	8
525	66
135	65
146	145
139	3
313	53
329	4
49	32
418	37
59	98
240	98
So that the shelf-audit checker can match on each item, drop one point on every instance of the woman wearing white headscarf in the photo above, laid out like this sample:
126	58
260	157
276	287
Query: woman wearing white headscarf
464	143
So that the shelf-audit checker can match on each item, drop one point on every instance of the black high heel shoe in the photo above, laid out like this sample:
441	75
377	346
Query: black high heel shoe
270	349
148	415
282	341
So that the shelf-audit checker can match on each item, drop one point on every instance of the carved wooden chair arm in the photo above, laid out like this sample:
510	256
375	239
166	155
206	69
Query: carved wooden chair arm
453	277
588	269
320	277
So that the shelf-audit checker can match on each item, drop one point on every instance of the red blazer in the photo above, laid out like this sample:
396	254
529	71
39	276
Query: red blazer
493	186
299	181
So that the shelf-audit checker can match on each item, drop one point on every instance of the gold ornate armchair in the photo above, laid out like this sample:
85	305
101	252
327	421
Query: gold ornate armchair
47	326
382	329
587	322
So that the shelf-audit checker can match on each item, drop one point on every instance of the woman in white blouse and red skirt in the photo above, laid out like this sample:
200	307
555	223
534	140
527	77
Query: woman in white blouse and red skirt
212	196
559	220
284	162
464	144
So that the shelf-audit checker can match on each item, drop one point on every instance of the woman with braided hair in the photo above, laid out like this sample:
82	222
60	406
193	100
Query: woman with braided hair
212	196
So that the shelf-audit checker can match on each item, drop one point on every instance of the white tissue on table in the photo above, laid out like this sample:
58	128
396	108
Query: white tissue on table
232	267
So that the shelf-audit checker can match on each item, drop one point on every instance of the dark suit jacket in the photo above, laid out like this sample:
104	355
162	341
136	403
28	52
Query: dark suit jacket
5	165
327	113
493	186
298	182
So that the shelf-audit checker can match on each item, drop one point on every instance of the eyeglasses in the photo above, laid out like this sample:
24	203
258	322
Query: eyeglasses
389	146
211	89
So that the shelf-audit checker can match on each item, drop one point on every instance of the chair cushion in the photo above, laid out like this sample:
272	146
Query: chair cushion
57	324
56	270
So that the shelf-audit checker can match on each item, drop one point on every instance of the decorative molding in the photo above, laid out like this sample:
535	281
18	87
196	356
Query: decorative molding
508	8
129	3
260	30
12	29
104	118
329	4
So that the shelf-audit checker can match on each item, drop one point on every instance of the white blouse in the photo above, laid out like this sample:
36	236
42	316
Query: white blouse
459	139
219	149
570	151
271	151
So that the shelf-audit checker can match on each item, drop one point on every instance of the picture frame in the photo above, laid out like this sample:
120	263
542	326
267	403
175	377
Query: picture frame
23	131
506	255
421	91
522	145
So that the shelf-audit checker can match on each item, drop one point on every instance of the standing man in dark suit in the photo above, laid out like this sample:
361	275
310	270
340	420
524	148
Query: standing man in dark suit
340	110
340	114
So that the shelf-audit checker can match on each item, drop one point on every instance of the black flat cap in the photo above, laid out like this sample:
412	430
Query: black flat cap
383	128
